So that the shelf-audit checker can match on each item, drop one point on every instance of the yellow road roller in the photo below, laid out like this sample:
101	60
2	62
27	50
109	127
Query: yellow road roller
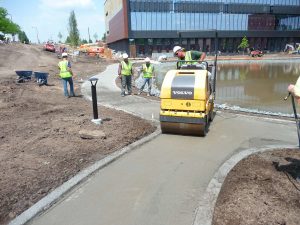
187	99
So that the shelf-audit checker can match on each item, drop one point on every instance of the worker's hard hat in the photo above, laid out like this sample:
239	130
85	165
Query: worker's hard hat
125	56
176	48
64	54
147	60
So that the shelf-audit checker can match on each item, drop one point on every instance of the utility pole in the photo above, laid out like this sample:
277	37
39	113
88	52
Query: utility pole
37	34
89	34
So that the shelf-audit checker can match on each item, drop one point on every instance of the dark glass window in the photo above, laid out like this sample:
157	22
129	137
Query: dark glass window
150	41
176	41
184	41
196	15
140	41
131	41
158	41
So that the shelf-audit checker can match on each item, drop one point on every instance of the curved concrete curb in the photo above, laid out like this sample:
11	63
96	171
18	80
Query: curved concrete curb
59	192
207	203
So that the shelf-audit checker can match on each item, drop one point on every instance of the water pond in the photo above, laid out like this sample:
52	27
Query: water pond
250	86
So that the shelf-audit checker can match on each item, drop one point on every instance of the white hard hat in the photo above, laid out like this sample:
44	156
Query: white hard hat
176	48
147	59
125	56
64	54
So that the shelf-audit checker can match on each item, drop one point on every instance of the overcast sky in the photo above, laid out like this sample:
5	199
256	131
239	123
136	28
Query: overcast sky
49	17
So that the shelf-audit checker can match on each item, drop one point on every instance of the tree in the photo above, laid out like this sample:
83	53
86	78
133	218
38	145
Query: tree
244	44
104	37
23	37
96	37
6	25
84	41
59	37
73	30
68	40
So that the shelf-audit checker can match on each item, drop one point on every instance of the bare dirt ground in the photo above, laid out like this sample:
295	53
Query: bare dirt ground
262	189
41	140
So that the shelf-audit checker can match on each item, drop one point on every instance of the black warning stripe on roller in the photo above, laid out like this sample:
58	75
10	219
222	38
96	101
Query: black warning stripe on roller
178	119
183	87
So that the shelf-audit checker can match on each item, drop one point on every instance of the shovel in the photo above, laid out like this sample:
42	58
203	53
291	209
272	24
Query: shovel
152	86
295	115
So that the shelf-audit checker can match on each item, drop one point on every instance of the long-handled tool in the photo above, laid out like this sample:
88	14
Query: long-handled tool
286	97
295	115
153	87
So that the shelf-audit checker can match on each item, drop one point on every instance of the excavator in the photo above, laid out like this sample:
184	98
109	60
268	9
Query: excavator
187	98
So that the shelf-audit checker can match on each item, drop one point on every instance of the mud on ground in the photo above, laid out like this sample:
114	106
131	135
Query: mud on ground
261	189
40	142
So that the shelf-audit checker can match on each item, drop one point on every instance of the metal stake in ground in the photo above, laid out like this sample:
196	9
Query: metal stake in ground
94	81
295	115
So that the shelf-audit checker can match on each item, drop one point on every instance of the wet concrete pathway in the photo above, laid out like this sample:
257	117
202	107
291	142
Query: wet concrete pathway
162	181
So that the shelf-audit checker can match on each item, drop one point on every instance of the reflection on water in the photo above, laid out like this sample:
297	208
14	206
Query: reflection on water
258	86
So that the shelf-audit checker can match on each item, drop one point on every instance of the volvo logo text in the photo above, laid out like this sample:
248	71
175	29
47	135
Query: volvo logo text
182	92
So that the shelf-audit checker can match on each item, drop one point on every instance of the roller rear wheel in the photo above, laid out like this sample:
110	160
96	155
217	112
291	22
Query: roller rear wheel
184	128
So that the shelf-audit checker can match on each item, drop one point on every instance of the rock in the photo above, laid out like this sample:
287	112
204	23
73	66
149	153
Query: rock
12	215
91	134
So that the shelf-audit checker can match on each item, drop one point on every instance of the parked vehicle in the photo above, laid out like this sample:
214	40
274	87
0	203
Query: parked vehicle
256	53
49	46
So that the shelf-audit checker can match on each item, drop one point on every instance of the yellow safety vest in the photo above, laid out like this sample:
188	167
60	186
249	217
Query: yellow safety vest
64	73
188	57
147	71
126	68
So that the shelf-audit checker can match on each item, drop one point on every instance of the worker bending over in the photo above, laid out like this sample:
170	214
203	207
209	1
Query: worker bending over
66	75
125	73
148	72
181	54
196	56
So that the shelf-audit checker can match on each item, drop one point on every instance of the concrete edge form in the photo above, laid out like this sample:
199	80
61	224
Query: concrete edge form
59	192
204	212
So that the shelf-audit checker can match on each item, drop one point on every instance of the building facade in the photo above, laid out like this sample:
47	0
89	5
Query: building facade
143	27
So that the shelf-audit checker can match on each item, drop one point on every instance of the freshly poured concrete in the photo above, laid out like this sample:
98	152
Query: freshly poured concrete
162	181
